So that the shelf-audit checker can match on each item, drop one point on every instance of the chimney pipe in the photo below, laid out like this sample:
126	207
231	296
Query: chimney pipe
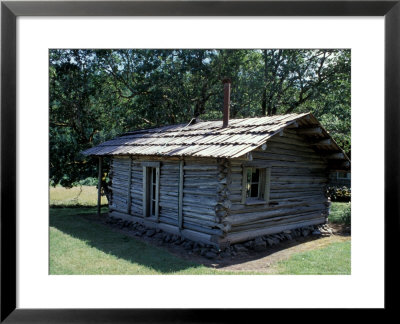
227	101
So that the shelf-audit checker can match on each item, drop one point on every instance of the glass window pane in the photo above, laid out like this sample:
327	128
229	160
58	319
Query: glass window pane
255	175
254	190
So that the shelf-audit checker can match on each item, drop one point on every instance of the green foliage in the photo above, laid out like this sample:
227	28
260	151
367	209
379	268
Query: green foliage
345	216
89	182
340	213
96	95
342	194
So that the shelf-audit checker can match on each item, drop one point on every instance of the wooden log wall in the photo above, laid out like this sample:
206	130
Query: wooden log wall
201	179
199	195
169	191
297	190
136	189
119	173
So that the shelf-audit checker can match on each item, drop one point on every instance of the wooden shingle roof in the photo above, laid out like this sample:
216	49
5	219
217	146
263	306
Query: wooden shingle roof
208	138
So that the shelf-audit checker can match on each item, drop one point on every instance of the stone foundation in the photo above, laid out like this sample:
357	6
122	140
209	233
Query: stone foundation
258	244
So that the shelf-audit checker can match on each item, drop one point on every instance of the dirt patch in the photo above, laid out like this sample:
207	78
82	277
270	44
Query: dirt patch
249	260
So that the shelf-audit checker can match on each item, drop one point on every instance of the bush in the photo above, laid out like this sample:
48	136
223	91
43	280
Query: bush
342	194
345	216
89	182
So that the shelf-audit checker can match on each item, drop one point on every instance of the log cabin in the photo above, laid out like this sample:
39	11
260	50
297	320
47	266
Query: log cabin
224	182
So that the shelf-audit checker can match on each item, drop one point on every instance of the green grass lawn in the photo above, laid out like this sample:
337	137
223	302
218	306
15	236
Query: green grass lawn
332	260
79	246
75	196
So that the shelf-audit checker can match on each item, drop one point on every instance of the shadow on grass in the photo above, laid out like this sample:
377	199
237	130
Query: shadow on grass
119	245
269	251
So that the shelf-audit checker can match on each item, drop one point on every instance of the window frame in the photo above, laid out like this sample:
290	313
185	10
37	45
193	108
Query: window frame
264	184
148	184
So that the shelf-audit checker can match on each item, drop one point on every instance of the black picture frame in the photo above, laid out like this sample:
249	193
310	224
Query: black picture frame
10	10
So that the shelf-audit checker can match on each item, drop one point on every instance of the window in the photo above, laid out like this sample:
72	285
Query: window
152	195
255	185
151	178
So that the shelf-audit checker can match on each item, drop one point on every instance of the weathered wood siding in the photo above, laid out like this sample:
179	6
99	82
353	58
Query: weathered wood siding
126	188
200	195
169	190
198	200
297	190
119	173
136	189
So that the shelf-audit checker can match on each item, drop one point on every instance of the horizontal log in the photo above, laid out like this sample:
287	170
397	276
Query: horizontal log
198	213
276	204
121	209
297	142
170	168
166	194
200	167
254	216
208	193
119	199
310	131
195	177
287	157
311	179
335	156
296	172
277	185
300	184
290	164
167	220
208	199
200	237
233	238
201	229
164	205
117	190
207	222
298	195
326	141
200	184
171	212
292	147
197	160
289	152
277	221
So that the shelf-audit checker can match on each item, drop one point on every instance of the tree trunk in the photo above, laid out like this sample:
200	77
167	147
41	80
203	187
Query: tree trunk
264	102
